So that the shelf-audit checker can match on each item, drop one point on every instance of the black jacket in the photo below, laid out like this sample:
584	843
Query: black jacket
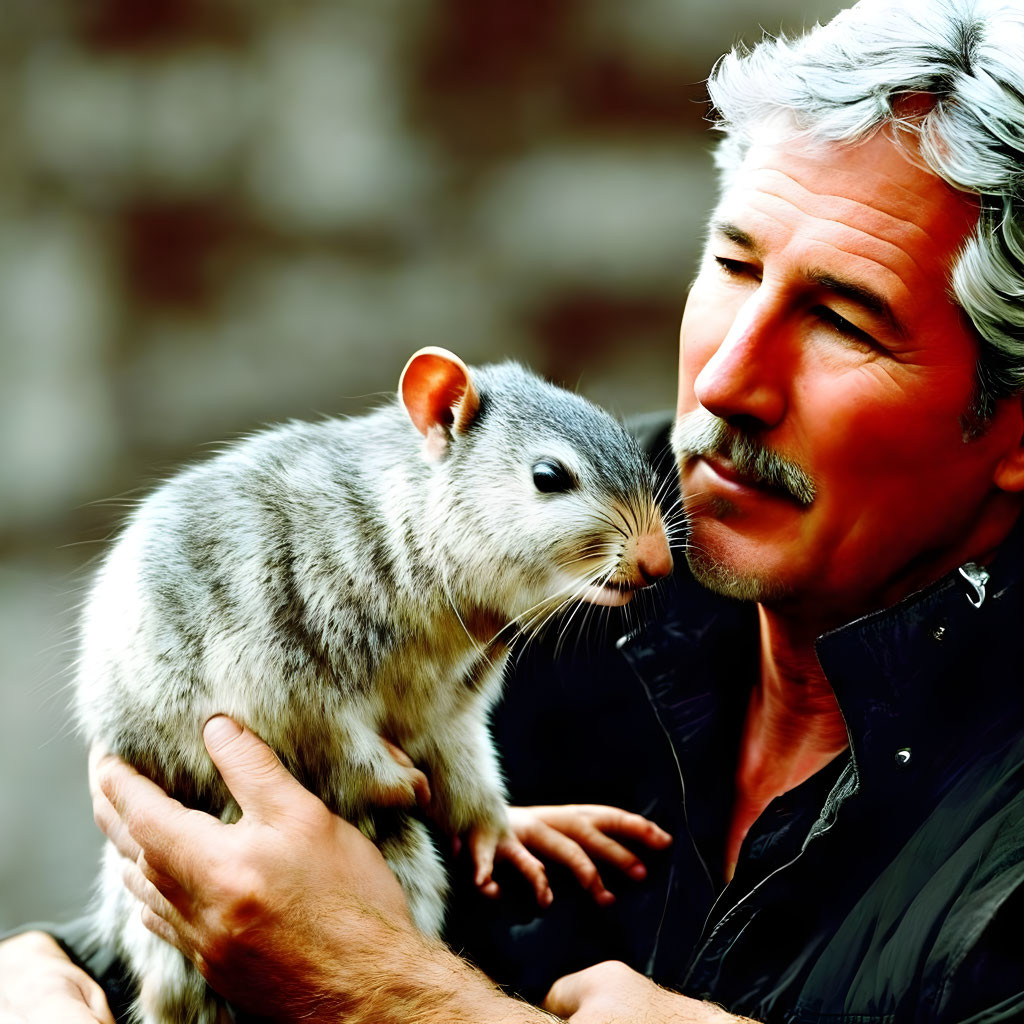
887	887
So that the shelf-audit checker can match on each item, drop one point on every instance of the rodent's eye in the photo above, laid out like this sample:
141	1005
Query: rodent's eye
551	477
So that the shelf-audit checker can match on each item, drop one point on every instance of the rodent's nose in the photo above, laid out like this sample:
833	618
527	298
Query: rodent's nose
653	557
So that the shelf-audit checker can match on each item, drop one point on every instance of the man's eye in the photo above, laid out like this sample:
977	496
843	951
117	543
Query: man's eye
843	326
731	267
739	270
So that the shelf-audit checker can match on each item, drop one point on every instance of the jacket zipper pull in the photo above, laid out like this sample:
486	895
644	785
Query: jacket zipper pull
977	576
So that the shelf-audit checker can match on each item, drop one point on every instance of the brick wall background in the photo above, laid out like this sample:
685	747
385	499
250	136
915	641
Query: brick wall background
214	215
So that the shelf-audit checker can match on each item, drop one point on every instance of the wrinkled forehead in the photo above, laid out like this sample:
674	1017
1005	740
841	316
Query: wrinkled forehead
880	185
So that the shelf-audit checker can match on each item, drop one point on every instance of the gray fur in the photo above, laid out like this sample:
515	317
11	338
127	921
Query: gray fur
316	582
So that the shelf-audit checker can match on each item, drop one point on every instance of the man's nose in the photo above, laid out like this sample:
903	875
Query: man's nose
747	375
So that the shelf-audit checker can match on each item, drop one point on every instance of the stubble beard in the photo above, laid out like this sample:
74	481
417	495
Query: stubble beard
728	581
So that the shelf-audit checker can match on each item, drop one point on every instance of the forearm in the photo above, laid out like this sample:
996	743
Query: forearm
423	982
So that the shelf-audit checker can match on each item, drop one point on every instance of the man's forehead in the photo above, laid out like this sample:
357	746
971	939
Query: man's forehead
879	186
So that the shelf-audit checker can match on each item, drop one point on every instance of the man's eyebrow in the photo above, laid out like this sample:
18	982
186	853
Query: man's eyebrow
735	234
859	294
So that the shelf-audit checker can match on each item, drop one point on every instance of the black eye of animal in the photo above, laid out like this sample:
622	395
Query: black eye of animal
550	477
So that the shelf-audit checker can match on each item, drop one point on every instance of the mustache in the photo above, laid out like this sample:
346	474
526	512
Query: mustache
701	433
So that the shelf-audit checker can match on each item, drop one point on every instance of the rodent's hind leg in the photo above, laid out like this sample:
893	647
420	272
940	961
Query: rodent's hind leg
410	853
172	991
169	989
464	773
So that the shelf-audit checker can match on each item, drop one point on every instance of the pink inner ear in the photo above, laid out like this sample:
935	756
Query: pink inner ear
437	392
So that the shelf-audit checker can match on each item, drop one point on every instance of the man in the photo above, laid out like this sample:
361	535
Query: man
845	708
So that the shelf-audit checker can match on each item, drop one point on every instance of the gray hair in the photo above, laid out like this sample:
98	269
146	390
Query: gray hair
843	81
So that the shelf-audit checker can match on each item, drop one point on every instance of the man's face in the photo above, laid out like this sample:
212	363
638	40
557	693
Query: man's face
820	332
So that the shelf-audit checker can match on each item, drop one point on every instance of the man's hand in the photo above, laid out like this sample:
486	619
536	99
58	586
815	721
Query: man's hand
612	993
40	985
291	912
272	908
576	834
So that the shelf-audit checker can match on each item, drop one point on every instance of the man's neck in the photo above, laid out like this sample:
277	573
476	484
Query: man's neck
794	716
793	726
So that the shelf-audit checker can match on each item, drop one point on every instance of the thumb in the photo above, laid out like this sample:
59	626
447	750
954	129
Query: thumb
60	1007
564	996
253	773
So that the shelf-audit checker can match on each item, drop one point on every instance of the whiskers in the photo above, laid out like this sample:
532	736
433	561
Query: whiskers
582	572
532	621
591	566
481	650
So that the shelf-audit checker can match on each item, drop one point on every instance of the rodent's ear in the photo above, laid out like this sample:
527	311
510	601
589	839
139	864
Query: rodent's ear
438	394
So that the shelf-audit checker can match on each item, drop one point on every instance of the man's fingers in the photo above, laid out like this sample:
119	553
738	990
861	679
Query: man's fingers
629	825
96	1000
151	893
261	785
39	982
609	992
600	845
593	825
551	843
572	818
103	813
152	820
603	822
159	927
158	913
67	1010
510	848
111	825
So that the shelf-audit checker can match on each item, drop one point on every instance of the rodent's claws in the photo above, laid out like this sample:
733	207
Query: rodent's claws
417	781
421	788
410	790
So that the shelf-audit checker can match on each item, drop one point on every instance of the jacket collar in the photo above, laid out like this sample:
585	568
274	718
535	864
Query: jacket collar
923	681
913	681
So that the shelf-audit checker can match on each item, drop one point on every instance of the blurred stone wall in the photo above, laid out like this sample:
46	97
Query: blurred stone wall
219	213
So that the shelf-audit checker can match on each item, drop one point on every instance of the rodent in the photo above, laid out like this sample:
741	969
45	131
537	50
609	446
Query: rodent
331	583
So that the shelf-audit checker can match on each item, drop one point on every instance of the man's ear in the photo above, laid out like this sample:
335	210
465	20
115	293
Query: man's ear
1009	473
438	394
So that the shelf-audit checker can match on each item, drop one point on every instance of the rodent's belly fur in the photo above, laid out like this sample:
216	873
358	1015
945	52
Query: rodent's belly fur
430	697
149	705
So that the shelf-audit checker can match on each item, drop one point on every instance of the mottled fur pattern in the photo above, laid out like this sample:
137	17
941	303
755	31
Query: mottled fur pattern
327	584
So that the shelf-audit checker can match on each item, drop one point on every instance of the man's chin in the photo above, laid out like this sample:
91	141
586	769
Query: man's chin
725	580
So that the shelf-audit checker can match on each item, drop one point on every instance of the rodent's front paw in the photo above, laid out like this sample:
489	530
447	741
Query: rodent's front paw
410	789
404	785
488	844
